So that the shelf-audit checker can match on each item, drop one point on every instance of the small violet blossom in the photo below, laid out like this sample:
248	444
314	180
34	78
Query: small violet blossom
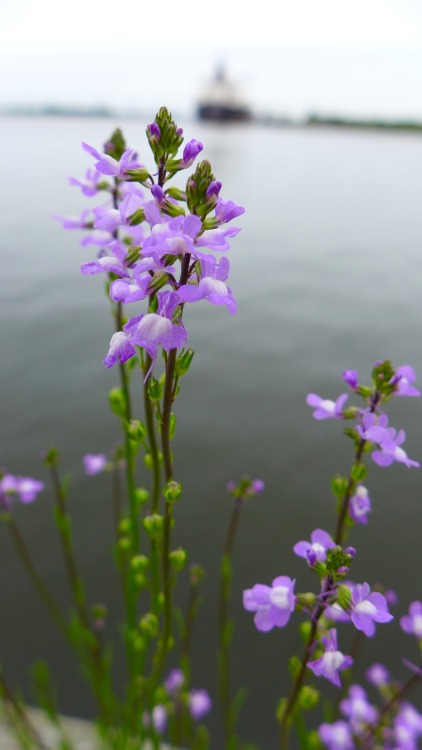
336	736
351	377
89	185
368	608
225	211
120	349
412	623
199	704
315	550
376	430
158	719
109	166
360	505
211	286
378	675
357	709
153	329
25	489
332	661
94	463
190	152
326	409
174	681
273	604
403	379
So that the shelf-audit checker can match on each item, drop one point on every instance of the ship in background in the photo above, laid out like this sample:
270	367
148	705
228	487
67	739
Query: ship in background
221	102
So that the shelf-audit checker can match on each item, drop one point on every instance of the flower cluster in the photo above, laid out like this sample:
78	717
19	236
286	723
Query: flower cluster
160	244
24	489
177	700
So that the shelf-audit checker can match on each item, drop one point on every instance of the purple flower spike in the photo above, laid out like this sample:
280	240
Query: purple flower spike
315	550
191	151
351	377
94	463
360	505
404	377
325	409
332	661
336	736
199	704
378	675
120	349
368	608
273	606
412	623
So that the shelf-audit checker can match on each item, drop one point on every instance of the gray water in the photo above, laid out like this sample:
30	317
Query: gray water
327	273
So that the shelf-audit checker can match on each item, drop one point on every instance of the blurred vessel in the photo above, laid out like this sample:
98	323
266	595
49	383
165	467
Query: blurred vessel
221	101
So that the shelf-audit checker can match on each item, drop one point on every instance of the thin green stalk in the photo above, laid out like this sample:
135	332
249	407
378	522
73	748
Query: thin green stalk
152	440
36	579
224	627
20	715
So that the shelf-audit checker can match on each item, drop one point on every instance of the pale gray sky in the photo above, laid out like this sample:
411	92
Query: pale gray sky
361	57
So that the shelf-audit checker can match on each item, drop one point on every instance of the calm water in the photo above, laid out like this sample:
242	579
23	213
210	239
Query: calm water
328	276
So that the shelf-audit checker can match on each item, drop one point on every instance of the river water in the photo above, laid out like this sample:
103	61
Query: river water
327	273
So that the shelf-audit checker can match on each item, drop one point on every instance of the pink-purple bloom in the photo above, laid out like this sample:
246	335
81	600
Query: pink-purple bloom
326	409
368	608
357	709
315	550
336	736
351	377
94	463
109	166
120	349
190	152
211	285
199	704
25	489
412	622
403	379
360	504
332	660
378	675
273	604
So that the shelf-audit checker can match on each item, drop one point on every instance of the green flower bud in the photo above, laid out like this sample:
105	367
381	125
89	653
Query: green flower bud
149	463
172	491
136	430
137	175
155	390
308	697
344	597
51	458
125	526
153	525
117	401
176	193
294	666
140	581
148	625
183	362
99	611
178	559
116	145
124	544
159	280
141	495
196	574
196	190
281	709
139	563
137	217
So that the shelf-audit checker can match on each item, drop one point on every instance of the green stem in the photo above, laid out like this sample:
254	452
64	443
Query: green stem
152	440
223	621
20	715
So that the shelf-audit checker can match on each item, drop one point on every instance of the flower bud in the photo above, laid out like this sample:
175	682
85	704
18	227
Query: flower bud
51	458
141	495
148	625
137	175
139	563
172	491
308	697
153	525
117	402
155	390
136	430
178	559
183	362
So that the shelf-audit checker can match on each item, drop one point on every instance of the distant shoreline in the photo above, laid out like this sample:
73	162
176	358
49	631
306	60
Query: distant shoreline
275	121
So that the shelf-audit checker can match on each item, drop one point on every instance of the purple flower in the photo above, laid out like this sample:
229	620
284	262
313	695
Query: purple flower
373	427
391	451
368	608
336	736
94	463
412	623
337	613
211	285
403	379
357	708
154	132
225	211
122	290
175	237
360	504
74	222
378	675
108	263
190	152
158	193
89	185
273	605
199	704
332	661
109	166
408	719
351	377
25	488
213	189
325	409
315	550
174	681
158	719
120	349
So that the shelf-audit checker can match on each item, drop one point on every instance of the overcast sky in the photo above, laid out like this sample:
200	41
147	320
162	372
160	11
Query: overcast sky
355	57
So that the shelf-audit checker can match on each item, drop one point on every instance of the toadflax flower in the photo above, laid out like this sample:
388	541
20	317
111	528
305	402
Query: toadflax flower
211	285
332	661
326	409
412	623
368	608
315	550
357	708
273	604
199	704
24	488
109	166
94	463
403	379
360	504
378	675
336	736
